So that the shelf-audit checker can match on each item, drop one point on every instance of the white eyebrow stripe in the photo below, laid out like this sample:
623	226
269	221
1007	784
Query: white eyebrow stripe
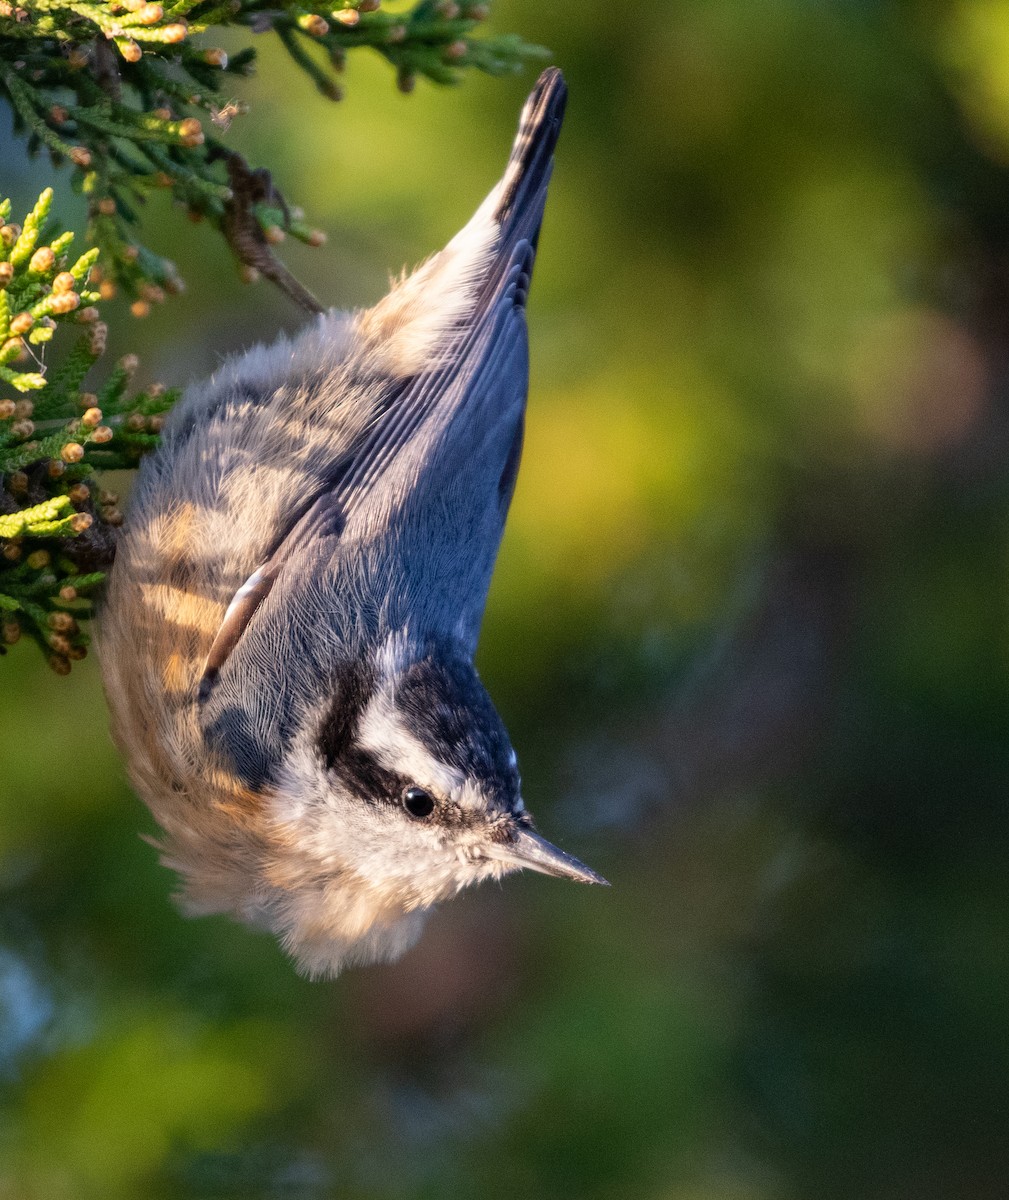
383	732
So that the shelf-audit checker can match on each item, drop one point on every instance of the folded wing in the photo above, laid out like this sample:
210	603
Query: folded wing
405	530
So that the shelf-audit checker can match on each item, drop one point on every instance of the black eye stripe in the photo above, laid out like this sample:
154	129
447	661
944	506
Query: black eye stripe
363	774
339	729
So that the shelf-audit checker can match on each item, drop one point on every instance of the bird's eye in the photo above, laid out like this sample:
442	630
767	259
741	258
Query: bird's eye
417	802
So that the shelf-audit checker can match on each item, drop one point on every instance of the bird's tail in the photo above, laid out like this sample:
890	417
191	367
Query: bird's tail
426	312
504	231
517	201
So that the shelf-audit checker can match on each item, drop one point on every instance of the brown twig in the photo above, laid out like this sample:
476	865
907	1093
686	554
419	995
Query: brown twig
245	236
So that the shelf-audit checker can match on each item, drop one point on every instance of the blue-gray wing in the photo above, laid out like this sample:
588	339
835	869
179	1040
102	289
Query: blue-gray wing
405	537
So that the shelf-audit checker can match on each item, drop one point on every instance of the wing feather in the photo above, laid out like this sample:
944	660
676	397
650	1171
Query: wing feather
473	392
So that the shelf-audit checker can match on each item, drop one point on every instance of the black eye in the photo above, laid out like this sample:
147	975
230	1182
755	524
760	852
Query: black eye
417	802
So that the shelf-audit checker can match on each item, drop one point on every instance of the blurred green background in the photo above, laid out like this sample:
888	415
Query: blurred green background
748	629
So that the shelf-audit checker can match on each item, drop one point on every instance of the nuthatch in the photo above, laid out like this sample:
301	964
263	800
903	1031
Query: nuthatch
289	628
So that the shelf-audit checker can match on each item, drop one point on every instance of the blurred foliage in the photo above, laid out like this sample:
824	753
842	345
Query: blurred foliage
748	628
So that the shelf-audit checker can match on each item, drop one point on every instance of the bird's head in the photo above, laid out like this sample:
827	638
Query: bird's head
404	789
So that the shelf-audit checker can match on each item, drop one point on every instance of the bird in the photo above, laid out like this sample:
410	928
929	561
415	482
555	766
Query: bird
288	630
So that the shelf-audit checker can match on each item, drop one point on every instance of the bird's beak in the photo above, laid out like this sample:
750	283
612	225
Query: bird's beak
527	849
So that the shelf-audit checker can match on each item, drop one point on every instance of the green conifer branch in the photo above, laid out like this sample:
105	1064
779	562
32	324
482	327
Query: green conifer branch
56	524
130	94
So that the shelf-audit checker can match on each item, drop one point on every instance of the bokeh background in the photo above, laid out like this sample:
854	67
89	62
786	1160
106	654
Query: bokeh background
748	629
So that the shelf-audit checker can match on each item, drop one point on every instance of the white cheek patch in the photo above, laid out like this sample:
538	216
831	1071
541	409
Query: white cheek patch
383	732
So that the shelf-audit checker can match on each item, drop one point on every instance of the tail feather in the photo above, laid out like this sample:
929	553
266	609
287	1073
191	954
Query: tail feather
426	312
514	208
520	196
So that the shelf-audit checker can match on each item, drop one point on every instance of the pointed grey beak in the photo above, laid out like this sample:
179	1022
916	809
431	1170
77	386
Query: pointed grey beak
527	849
